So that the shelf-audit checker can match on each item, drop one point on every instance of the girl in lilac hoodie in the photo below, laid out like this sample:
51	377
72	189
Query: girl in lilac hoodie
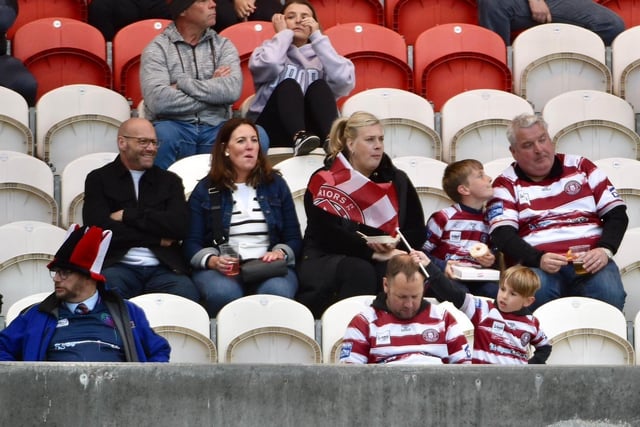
298	77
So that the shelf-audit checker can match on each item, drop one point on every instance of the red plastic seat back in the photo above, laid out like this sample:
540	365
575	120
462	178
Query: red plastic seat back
378	53
402	15
30	10
62	51
128	44
246	36
453	58
334	12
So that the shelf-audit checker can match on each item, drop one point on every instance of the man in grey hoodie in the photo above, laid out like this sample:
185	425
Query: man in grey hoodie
190	77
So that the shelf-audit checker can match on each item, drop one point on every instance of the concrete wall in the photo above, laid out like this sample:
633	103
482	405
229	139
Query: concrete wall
175	395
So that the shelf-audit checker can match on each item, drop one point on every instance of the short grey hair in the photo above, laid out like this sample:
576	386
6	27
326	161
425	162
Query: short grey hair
525	120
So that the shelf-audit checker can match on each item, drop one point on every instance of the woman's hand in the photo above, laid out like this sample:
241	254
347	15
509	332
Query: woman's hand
279	22
244	8
385	256
382	247
273	256
311	24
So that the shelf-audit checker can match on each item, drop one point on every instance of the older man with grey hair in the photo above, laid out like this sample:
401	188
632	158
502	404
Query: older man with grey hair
547	202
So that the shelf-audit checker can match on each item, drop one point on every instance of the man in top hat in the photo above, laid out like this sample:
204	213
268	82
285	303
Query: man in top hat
81	321
190	76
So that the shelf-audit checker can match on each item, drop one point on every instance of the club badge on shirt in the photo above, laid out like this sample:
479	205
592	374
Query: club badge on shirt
430	335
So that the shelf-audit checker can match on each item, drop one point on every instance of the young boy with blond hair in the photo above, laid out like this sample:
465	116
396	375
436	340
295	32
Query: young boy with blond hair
460	233
504	328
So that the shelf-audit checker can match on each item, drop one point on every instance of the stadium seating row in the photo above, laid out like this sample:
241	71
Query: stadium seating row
272	329
27	183
547	59
75	120
398	15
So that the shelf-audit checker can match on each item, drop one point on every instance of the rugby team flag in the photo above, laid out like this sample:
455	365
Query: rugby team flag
345	192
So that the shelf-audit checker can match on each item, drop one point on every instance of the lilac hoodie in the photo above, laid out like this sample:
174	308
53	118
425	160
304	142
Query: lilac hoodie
278	59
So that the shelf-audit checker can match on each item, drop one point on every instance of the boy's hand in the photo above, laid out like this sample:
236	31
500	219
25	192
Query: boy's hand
419	257
448	270
487	260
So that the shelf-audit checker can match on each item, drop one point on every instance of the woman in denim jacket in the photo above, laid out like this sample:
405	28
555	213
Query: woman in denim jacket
255	211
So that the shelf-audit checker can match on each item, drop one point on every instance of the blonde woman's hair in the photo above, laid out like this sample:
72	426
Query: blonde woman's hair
344	128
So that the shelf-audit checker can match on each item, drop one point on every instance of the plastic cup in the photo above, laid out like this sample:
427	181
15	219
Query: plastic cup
229	253
577	253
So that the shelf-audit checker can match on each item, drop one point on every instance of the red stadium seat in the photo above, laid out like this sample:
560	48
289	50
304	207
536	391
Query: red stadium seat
334	12
246	36
400	15
453	58
628	10
30	10
128	44
378	53
62	51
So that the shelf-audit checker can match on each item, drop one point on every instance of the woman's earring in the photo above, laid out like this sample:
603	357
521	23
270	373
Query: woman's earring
226	153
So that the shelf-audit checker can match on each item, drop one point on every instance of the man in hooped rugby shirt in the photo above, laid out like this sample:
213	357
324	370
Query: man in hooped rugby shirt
546	202
402	327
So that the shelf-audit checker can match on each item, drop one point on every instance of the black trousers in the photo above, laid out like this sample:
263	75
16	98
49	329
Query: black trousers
109	16
288	111
226	14
15	76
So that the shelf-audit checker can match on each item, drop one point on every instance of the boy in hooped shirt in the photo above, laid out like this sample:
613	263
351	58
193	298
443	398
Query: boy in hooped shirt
459	233
503	328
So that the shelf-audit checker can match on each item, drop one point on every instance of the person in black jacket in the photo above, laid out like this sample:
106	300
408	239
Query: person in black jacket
337	262
146	209
109	16
13	74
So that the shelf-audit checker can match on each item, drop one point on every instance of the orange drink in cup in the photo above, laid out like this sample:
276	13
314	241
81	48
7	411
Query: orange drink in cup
575	255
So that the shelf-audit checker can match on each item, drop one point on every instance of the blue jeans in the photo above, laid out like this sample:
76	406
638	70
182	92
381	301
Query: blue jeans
505	16
133	280
183	139
217	289
605	285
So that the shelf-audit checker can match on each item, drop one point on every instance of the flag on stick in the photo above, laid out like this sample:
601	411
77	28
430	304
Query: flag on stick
345	192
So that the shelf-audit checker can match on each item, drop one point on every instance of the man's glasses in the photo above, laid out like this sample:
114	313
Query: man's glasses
143	142
63	274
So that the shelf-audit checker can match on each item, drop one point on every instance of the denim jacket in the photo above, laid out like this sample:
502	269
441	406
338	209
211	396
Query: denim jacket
277	206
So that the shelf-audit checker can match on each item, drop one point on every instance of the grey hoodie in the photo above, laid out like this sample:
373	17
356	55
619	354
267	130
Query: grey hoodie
198	98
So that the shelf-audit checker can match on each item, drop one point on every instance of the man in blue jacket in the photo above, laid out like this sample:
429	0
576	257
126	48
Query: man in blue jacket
81	321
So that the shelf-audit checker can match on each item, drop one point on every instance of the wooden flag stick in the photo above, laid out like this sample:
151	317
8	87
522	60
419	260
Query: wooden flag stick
409	246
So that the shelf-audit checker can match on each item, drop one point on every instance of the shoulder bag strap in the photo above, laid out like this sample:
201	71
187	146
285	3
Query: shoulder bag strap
215	196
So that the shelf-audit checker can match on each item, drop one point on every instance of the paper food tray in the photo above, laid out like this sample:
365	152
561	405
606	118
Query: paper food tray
381	239
472	273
